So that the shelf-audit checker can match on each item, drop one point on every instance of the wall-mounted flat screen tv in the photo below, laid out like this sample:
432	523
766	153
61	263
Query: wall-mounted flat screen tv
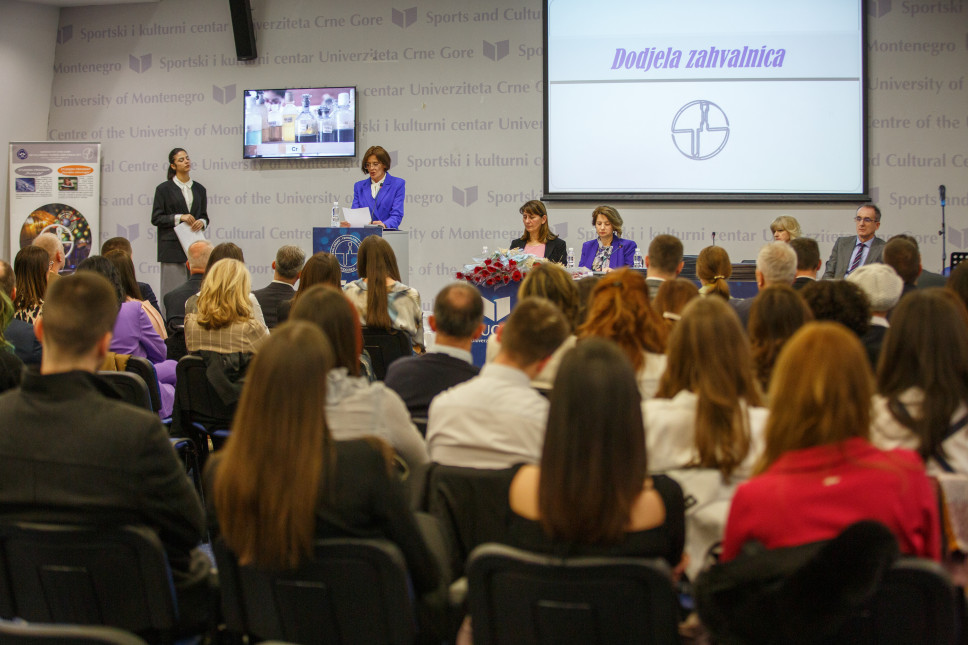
299	123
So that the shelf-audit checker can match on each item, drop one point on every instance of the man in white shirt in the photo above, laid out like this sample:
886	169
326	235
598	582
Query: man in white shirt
496	420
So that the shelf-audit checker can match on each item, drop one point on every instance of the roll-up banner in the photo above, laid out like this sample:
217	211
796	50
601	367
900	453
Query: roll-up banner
55	187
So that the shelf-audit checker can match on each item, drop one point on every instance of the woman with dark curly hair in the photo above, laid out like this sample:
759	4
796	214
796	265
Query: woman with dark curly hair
840	301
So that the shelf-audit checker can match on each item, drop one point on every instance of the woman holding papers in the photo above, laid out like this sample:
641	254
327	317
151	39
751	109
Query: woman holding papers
381	192
177	200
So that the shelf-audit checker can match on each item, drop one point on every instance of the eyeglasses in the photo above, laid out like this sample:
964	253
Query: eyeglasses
866	220
375	164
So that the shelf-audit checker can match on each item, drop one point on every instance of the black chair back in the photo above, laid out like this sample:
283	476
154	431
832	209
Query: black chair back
130	387
21	633
385	346
200	412
144	368
353	592
852	589
86	575
529	599
471	505
916	602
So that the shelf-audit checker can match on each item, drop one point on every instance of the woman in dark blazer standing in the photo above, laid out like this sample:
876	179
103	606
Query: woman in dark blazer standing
608	251
180	199
538	238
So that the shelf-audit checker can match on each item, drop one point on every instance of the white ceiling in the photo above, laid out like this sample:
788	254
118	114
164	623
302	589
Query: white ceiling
85	3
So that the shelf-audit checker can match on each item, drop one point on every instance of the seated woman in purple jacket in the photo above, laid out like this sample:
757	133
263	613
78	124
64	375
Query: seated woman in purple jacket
608	251
382	193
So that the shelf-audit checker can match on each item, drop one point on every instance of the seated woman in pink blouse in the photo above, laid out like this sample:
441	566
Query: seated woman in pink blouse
819	473
538	239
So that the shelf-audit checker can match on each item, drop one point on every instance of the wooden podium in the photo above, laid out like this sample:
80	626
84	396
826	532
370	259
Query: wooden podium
344	243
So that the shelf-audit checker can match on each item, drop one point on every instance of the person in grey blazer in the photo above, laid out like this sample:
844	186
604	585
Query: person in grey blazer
871	248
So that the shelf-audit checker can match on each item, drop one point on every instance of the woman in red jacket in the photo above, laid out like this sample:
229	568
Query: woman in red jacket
819	473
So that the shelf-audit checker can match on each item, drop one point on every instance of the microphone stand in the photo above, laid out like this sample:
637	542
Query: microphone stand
943	232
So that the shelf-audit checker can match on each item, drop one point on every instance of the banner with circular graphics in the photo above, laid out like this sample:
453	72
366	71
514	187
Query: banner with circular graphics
55	188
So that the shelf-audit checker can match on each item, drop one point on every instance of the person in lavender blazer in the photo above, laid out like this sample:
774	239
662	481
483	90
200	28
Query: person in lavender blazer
386	204
608	251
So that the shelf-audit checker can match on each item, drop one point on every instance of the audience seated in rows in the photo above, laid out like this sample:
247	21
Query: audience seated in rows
496	420
882	287
591	493
355	407
550	281
808	261
457	321
818	472
663	262
713	269
620	311
283	480
776	263
71	453
672	297
777	313
134	333
18	333
382	301
285	271
123	245
922	381
320	268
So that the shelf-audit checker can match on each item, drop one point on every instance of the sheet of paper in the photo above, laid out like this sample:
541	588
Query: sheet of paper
357	216
186	236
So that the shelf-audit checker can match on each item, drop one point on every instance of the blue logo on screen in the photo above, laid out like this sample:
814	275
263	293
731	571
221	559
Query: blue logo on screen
700	130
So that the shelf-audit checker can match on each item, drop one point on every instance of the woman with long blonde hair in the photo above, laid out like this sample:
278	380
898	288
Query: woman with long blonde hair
223	321
275	492
819	472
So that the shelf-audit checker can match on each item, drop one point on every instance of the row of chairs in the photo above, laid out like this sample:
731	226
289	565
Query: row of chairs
357	591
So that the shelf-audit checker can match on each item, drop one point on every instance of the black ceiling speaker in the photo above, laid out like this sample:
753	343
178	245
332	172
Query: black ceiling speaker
242	28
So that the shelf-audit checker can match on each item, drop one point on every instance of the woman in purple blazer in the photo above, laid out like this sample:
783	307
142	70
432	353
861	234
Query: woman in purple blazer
608	251
382	193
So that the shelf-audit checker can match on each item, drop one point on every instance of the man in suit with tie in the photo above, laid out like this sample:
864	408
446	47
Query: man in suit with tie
286	268
855	251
